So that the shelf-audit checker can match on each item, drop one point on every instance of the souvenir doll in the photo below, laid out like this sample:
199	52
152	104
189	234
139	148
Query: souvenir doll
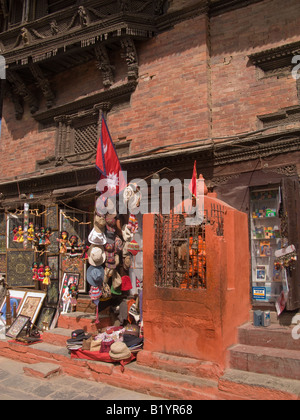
66	300
42	236
84	254
74	295
34	270
41	272
48	234
63	240
20	233
15	230
73	247
30	232
47	275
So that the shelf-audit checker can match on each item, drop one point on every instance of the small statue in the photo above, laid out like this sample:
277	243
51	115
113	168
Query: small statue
47	276
63	240
66	299
20	235
41	272
30	232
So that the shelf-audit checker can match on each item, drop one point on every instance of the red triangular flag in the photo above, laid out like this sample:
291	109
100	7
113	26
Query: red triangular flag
107	162
193	183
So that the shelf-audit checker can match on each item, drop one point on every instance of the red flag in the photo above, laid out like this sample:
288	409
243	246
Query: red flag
193	183
107	162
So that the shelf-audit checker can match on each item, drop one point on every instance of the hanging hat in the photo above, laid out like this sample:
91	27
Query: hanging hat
95	294
119	351
110	255
99	223
126	284
95	276
126	233
97	238
127	262
133	247
118	244
96	255
116	279
114	291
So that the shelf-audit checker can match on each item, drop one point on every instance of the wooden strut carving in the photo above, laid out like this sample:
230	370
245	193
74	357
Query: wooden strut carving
20	88
104	65
131	58
43	83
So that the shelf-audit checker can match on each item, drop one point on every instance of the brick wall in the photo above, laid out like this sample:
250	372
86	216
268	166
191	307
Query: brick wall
239	92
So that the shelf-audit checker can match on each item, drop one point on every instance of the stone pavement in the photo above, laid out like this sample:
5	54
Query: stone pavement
15	385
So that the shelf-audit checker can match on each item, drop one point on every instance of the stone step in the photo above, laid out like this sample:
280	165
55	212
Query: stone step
81	320
285	318
42	370
271	361
256	386
57	337
275	336
181	365
155	382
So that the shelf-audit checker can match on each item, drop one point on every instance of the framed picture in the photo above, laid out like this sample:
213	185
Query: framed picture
68	280
46	318
53	264
17	326
261	273
32	304
75	265
265	249
16	296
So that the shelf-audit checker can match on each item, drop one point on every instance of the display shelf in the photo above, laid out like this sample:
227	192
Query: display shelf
265	237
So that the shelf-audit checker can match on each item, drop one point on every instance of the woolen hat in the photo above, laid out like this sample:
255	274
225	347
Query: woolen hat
119	351
126	284
95	276
133	247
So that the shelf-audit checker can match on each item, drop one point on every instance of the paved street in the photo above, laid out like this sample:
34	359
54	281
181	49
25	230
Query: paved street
15	385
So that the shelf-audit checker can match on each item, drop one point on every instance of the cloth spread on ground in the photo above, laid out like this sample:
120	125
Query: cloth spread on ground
100	357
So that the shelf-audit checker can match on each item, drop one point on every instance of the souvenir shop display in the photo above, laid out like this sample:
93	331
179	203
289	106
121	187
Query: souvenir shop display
266	238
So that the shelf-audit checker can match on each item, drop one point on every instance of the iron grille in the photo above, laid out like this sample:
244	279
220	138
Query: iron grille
180	249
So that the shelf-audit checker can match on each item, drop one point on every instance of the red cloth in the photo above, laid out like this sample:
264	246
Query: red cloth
99	357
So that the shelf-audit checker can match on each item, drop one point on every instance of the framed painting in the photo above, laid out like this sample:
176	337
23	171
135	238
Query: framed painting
46	318
69	279
261	273
31	305
16	296
17	326
53	261
78	266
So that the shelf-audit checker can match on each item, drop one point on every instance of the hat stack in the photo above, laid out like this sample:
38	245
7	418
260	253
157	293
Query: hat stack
77	339
132	339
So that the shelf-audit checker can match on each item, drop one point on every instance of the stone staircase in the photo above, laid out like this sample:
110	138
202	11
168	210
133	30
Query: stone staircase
265	361
265	364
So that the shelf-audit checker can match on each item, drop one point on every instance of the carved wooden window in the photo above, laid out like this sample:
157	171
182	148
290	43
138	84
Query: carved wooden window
85	138
77	134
